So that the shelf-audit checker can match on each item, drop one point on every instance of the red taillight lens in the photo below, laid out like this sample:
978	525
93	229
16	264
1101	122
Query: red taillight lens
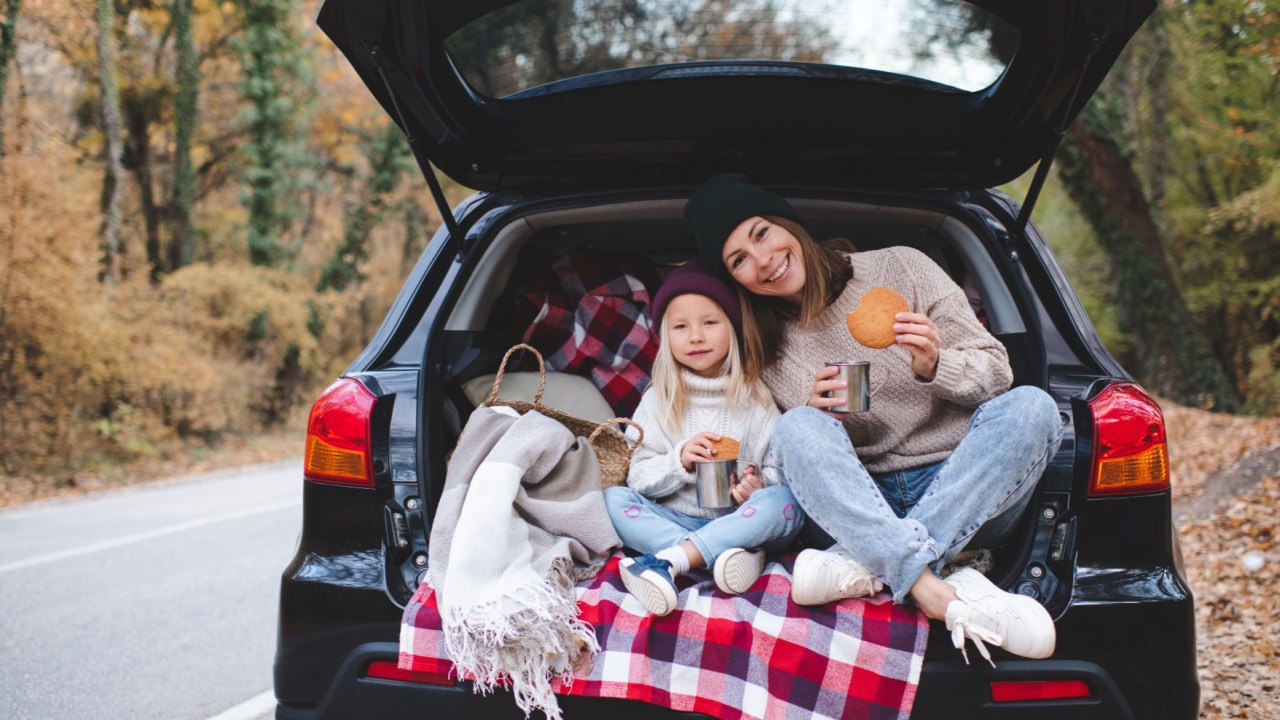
338	448
1025	690
389	670
1130	452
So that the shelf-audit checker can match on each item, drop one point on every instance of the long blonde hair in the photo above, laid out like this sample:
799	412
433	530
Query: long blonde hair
673	393
826	271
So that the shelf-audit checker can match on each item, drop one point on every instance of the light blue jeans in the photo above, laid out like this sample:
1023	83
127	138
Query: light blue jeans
898	524
770	518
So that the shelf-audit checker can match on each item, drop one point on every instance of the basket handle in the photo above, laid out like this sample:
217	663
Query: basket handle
625	421
502	370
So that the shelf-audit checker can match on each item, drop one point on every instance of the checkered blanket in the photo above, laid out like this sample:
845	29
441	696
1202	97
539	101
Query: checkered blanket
755	655
593	320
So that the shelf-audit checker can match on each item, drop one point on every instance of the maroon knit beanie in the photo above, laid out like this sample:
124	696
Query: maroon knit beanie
694	277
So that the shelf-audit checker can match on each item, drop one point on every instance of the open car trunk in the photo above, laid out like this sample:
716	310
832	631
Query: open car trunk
528	274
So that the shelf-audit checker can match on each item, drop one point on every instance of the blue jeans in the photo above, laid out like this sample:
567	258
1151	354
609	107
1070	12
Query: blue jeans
770	518
897	524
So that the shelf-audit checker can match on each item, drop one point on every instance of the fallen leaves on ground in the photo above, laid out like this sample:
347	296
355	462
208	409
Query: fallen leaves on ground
1232	562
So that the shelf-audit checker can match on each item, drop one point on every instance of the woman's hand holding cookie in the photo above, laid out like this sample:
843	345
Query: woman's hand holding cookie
918	335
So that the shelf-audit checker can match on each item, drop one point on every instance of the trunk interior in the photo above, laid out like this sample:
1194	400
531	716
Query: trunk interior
632	245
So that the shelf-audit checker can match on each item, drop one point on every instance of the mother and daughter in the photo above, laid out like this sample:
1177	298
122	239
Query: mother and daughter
948	455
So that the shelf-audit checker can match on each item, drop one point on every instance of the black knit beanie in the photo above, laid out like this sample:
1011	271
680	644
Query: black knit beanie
721	204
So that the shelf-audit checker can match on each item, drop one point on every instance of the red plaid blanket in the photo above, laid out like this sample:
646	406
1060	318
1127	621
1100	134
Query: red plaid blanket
590	317
754	655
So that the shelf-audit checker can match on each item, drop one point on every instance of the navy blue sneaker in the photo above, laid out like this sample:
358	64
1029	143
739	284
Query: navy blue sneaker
649	579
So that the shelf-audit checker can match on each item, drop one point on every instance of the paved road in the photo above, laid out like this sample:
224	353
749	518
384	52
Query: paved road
157	601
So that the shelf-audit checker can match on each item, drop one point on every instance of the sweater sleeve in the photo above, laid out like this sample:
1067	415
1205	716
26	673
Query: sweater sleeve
655	470
973	366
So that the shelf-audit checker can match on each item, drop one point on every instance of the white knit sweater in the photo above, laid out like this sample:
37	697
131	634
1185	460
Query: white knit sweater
911	423
656	471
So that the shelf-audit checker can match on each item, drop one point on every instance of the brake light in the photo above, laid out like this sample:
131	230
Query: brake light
1130	451
1025	690
338	447
389	670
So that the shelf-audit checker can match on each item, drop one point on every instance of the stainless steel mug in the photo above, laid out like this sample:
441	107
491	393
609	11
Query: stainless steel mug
714	480
857	391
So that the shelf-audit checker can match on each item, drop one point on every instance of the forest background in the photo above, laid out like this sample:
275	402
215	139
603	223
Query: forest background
204	216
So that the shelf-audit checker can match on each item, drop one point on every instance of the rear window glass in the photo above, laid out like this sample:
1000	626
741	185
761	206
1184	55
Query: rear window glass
534	43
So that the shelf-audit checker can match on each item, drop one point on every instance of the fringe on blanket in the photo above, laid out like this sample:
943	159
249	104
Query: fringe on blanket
527	638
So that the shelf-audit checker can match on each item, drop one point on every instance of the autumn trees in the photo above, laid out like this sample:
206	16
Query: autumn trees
211	323
263	208
1176	164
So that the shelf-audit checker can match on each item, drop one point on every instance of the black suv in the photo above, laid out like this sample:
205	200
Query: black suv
584	125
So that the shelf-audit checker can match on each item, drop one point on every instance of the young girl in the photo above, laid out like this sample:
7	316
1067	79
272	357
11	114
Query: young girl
698	396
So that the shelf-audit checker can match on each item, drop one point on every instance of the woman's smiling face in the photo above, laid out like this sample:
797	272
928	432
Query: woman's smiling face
765	259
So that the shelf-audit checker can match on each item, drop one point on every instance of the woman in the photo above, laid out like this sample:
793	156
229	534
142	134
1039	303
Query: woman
947	448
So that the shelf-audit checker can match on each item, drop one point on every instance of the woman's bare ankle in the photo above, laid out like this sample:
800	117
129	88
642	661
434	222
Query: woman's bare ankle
932	595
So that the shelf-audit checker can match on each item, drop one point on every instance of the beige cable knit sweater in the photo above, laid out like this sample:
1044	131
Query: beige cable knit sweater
911	423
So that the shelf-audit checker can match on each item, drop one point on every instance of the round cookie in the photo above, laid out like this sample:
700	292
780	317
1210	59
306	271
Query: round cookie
871	323
726	448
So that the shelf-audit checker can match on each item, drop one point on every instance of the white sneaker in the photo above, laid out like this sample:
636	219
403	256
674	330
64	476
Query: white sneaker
736	570
823	576
988	615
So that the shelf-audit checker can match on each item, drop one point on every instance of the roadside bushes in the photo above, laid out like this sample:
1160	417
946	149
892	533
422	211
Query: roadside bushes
94	375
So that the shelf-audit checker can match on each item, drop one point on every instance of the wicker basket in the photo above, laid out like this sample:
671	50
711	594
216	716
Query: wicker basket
608	441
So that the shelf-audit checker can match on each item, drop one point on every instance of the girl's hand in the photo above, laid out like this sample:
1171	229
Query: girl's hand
748	482
699	448
824	383
919	336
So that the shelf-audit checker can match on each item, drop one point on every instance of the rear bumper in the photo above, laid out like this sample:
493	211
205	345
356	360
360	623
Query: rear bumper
948	689
354	694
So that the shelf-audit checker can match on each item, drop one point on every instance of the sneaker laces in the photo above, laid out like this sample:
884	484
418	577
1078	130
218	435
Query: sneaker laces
857	581
961	627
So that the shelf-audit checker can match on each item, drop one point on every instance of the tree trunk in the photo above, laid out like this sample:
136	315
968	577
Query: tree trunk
272	67
1146	65
182	244
109	104
139	155
9	10
1171	354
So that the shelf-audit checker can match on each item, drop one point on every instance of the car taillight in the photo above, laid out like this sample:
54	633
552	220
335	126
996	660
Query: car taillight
338	447
1030	690
388	670
1130	452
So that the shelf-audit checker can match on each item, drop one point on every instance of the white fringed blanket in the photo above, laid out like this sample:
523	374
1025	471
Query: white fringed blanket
520	521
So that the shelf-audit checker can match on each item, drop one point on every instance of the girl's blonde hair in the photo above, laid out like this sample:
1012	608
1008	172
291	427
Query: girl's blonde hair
673	393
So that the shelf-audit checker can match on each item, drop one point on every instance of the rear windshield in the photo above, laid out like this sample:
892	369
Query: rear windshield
536	42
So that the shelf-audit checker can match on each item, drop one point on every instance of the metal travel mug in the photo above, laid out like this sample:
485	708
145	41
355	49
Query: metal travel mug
857	391
714	480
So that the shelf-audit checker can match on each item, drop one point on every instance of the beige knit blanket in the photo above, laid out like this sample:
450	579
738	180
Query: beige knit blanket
521	519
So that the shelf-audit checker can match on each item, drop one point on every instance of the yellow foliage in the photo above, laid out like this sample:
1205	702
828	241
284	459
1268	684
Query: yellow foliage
98	376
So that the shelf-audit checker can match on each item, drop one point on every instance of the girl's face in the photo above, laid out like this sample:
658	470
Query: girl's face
698	331
765	259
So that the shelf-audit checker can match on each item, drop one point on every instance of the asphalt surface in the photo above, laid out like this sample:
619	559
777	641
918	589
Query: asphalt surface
157	601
